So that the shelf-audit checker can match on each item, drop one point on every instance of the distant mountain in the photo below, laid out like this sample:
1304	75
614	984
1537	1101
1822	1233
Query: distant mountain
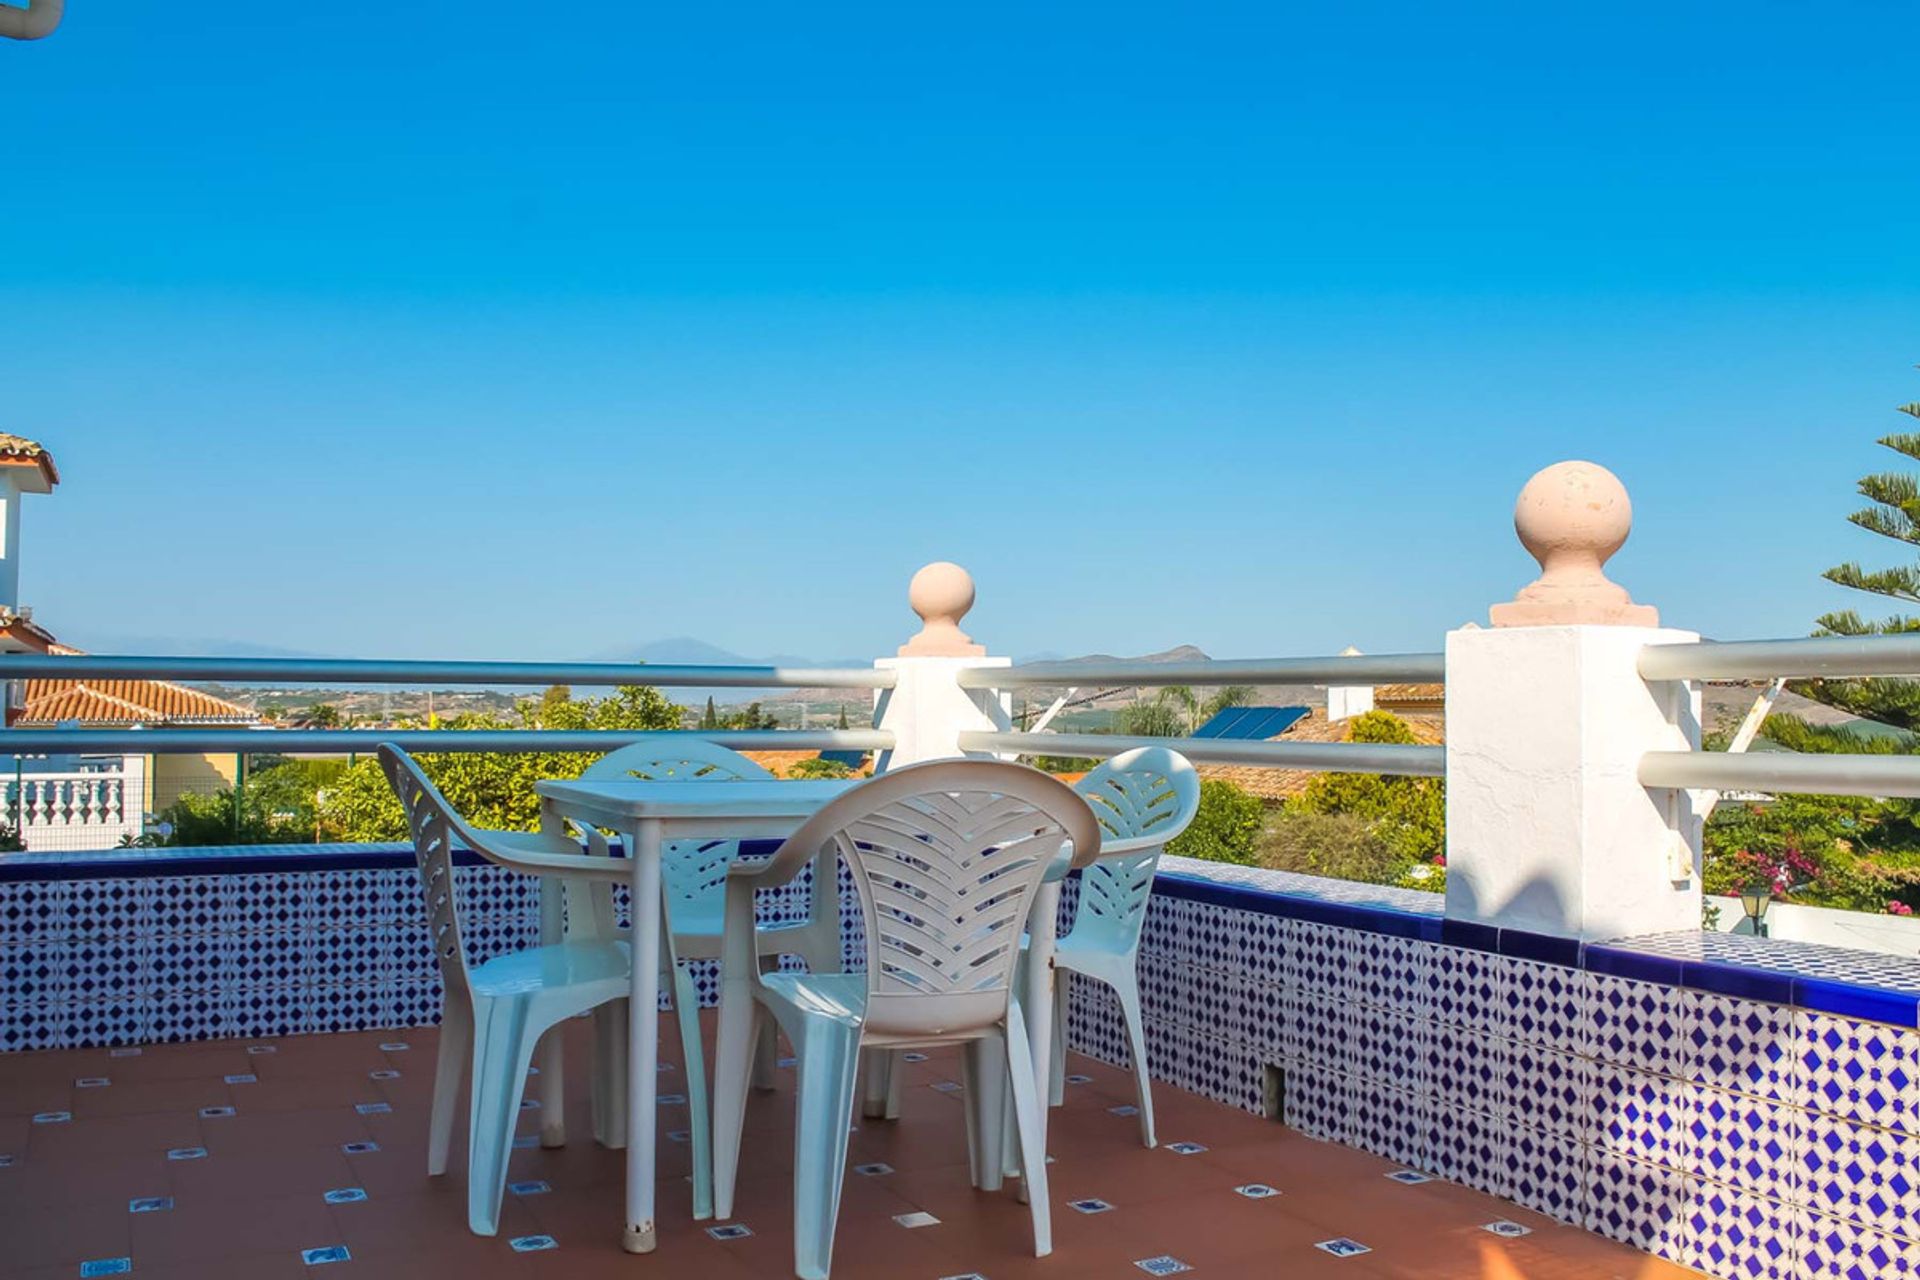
687	650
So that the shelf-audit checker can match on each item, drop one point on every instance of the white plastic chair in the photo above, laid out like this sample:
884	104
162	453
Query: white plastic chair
1142	798
946	856
693	880
495	1012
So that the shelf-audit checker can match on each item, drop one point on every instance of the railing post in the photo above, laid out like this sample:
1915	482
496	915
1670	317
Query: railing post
1548	827
926	710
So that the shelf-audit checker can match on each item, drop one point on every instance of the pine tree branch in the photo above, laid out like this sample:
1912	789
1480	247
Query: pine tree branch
1897	584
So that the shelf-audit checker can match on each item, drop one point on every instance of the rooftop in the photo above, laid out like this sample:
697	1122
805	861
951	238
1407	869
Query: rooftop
257	1197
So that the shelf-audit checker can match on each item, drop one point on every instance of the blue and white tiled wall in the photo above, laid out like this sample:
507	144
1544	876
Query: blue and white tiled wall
1748	1108
250	951
1655	1091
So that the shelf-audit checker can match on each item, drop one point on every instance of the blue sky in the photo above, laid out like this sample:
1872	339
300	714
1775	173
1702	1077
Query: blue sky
480	331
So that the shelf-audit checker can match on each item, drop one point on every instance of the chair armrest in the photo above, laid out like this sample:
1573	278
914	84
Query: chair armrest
533	854
1133	844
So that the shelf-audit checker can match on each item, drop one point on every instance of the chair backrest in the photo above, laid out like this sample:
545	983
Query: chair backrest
946	856
1147	794
433	825
693	873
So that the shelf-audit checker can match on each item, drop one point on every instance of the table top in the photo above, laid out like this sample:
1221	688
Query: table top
616	802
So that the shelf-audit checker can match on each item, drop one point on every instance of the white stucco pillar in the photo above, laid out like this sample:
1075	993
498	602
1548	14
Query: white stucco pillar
1548	827
927	710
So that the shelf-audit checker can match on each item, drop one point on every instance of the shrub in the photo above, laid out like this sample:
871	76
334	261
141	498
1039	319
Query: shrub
1225	828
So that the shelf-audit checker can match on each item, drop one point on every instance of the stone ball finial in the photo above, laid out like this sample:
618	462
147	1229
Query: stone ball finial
1572	517
941	593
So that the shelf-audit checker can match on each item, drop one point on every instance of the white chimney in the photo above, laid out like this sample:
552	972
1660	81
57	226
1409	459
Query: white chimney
1344	700
25	468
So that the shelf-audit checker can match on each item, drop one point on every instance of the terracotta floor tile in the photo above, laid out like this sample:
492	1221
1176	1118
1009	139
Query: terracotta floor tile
248	1208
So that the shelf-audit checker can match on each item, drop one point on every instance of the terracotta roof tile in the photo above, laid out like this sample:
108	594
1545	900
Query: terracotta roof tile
116	703
20	449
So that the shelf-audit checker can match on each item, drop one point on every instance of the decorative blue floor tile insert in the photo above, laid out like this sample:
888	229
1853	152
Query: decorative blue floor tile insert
345	1195
533	1244
1343	1247
1164	1265
327	1253
106	1267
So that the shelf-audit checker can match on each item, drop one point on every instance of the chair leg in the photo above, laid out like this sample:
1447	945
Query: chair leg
829	1063
551	1053
1057	1067
450	1065
503	1050
985	1091
733	1056
896	1078
610	1075
766	1055
1129	991
1028	1117
879	1065
686	1009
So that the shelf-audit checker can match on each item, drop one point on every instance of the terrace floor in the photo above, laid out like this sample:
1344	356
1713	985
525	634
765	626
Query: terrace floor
255	1200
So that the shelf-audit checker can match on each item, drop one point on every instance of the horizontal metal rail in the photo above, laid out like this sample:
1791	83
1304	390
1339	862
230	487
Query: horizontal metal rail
341	741
37	666
1333	757
1837	775
1835	656
1364	668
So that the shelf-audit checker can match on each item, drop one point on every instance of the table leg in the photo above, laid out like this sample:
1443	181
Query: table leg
643	1038
552	1061
1043	928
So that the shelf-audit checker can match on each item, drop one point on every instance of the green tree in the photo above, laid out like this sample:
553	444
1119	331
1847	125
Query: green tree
710	719
1408	814
815	767
1893	512
557	695
492	789
323	715
1224	829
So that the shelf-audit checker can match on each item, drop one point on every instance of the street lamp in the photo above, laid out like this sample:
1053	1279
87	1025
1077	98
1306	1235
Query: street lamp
1754	899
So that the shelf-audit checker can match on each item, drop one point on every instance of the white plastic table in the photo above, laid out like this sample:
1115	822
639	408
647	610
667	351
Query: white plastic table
647	814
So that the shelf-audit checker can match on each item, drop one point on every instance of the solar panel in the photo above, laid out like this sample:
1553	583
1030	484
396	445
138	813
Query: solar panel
1250	724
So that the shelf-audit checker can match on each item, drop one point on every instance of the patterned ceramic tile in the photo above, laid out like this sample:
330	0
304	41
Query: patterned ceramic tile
1547	1173
1639	1204
1870	1176
1829	1248
1318	1103
1640	1116
1742	1045
1859	1070
1633	1024
1468	1148
1727	1233
1743	1142
1468	989
1467	1068
1548	1091
1546	1005
1388	1122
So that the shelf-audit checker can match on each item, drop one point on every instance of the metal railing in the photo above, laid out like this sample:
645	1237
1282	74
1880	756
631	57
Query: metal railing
1409	668
392	671
316	741
1823	656
1335	757
1837	775
1833	657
